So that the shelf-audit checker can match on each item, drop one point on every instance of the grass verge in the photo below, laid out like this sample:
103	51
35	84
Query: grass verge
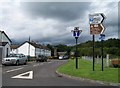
85	71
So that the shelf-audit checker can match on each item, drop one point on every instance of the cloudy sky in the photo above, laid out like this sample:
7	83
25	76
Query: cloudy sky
52	22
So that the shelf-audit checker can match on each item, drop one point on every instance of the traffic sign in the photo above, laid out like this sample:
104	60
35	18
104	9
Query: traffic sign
102	36
76	32
96	18
96	29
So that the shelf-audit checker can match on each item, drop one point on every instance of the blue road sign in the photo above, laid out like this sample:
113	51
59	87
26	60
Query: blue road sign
76	33
102	36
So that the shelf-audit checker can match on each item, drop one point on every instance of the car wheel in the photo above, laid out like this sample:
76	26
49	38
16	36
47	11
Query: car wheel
25	63
17	63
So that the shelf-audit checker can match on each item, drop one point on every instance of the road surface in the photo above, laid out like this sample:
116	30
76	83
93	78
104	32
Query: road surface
39	74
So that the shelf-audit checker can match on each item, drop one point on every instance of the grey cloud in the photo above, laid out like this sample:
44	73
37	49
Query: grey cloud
63	11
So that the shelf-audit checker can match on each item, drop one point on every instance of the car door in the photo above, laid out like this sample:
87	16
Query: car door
20	59
23	59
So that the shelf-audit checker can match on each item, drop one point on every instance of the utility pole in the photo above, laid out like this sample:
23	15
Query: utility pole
29	48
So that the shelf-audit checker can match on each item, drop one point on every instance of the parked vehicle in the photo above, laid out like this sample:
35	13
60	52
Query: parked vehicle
14	59
41	58
60	57
63	57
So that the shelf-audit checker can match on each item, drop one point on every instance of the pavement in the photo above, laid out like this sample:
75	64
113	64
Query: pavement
40	74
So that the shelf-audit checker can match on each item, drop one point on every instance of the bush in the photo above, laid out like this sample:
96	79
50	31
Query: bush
116	63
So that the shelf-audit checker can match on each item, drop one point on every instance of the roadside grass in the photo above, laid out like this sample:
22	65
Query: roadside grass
85	71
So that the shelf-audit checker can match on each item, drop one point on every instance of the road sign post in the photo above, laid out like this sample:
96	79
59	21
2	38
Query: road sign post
93	52
76	34
96	27
102	37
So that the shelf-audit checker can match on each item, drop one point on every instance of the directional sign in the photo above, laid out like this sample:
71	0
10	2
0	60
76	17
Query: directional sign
96	18
96	29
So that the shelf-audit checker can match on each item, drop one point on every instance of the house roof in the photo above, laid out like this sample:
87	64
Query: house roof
4	43
35	45
6	35
61	53
14	46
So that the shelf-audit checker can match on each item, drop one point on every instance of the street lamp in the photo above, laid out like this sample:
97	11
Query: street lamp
76	34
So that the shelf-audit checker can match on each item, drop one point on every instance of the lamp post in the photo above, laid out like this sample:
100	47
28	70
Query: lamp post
76	34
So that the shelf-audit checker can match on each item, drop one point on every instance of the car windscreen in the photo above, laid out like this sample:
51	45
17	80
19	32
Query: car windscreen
13	55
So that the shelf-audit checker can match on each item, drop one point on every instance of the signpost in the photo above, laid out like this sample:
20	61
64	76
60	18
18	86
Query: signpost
96	18
76	34
102	37
96	27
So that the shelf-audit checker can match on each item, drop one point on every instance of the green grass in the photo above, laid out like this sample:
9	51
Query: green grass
85	71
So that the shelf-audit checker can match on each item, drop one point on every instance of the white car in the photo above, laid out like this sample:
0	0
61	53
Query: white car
60	57
14	59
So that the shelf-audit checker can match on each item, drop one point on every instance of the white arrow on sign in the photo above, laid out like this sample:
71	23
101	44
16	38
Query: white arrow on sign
96	18
103	28
22	76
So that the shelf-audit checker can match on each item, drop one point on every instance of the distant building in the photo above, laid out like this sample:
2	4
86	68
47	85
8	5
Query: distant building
31	49
55	51
61	53
14	48
5	43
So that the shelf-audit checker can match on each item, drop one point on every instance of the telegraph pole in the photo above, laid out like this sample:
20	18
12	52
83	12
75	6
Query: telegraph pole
29	49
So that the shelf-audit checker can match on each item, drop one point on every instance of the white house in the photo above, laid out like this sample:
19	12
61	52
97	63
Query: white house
5	43
6	49
14	48
31	49
4	37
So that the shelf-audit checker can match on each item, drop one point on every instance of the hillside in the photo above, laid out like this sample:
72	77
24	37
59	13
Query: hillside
111	46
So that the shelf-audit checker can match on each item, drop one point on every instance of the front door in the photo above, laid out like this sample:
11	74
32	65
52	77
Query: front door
7	52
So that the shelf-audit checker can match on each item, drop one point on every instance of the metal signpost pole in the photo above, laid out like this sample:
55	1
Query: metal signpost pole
76	38
102	36
93	52
102	53
76	34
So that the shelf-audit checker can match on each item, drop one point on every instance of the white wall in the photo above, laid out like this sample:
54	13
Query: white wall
24	49
37	52
15	51
5	50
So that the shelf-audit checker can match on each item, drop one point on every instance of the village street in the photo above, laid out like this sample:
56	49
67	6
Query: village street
39	74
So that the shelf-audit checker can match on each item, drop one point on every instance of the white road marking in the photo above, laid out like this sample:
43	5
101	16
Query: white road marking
35	65
14	70
21	76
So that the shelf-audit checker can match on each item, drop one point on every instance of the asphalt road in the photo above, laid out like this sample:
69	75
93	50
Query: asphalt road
41	74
